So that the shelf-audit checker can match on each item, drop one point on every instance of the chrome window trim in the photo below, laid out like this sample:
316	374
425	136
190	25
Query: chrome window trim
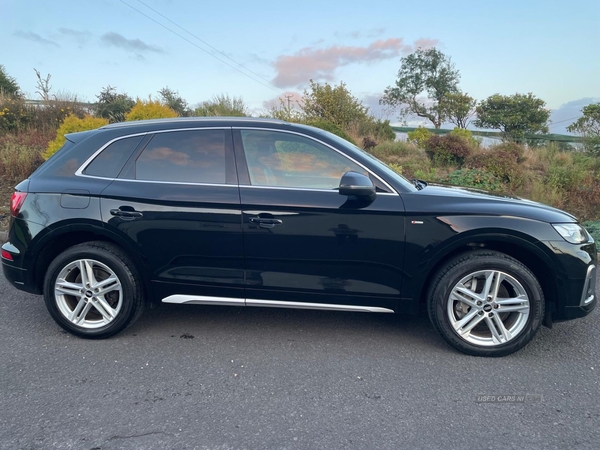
285	188
394	192
87	162
181	299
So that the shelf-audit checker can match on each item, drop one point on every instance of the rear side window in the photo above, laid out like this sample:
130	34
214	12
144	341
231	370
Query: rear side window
111	160
196	156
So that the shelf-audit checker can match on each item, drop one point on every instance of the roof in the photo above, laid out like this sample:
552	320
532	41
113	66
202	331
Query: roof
193	120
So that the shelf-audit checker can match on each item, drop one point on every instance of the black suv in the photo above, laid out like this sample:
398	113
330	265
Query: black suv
249	212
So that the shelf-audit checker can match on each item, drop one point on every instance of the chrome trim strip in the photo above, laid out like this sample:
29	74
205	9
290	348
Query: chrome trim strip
87	162
319	306
181	299
394	192
590	282
174	182
203	300
286	188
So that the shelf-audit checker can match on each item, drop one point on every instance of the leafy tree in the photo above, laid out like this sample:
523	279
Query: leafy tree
458	108
8	84
333	104
173	100
150	109
425	78
514	115
588	126
112	106
223	105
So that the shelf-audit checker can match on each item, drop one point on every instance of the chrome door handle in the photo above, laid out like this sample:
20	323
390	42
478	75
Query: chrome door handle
263	222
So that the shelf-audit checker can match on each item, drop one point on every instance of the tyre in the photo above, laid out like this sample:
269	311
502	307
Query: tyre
92	290
485	303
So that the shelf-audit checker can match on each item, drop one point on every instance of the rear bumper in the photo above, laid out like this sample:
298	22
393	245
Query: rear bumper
18	278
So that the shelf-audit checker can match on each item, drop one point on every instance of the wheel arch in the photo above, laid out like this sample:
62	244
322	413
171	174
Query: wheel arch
61	238
519	248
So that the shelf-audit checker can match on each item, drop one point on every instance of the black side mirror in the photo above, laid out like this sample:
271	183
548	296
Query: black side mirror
357	185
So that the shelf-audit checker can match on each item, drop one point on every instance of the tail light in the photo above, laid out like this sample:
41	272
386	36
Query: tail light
16	202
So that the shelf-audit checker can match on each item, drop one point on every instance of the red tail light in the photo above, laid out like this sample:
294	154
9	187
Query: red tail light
16	202
6	255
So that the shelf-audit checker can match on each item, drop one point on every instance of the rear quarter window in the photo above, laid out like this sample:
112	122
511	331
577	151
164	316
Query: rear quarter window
111	160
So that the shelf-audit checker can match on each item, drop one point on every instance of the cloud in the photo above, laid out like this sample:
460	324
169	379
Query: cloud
321	63
566	114
136	46
34	37
79	35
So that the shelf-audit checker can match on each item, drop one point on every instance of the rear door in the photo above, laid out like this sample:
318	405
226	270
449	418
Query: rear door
177	204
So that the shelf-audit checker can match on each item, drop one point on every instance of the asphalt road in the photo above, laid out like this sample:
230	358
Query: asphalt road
221	378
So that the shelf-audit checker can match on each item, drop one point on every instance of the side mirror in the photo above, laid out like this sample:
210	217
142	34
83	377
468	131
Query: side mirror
357	185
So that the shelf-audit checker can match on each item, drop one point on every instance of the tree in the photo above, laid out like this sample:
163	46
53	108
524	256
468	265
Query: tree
425	78
173	100
458	108
223	105
514	115
113	106
588	126
43	85
8	84
334	104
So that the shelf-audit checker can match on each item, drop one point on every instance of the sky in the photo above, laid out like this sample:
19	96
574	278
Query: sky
264	50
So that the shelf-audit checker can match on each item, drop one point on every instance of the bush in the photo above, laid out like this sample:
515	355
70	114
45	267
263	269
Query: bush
420	136
447	150
332	128
18	161
476	178
14	113
72	124
503	161
466	135
392	148
151	109
593	228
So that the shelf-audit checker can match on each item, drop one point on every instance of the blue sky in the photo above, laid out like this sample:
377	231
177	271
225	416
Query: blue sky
548	47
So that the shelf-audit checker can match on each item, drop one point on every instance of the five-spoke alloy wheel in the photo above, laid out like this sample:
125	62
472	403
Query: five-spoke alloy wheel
486	303
91	290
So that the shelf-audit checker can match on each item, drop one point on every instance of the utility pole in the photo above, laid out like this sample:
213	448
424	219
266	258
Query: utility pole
288	97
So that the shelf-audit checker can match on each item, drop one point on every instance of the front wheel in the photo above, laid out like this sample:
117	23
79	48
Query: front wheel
91	290
486	303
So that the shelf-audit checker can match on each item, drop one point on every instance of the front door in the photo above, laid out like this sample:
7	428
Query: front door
304	243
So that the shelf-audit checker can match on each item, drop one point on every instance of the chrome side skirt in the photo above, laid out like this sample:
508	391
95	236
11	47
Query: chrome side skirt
203	300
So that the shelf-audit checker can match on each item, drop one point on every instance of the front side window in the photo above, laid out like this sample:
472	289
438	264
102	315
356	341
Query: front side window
196	156
287	160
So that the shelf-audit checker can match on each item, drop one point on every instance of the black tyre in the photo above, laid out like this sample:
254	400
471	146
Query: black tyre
92	290
485	303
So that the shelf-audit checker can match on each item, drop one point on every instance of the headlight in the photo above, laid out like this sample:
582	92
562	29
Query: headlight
572	232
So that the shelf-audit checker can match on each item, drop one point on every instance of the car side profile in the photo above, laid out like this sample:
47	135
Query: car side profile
259	212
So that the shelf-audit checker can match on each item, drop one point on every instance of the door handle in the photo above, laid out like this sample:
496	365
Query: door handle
125	214
264	222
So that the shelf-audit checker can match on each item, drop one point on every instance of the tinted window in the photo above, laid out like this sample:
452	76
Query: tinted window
289	160
186	156
111	160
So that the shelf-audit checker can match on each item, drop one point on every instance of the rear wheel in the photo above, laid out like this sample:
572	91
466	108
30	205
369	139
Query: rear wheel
92	290
486	303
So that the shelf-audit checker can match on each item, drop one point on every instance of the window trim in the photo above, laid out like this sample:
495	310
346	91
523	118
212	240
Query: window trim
245	162
135	155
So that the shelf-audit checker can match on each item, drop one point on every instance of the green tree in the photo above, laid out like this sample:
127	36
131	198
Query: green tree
458	108
112	106
514	115
223	105
173	100
425	78
334	104
588	126
8	84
